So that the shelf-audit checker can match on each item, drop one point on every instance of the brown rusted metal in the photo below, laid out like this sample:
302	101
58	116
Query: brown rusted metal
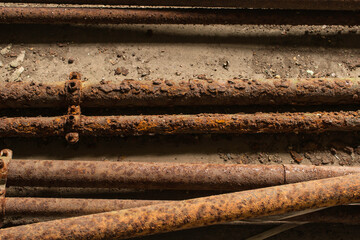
5	157
66	207
53	15
185	176
229	92
143	175
20	211
136	125
299	173
30	94
196	212
262	4
191	92
73	98
33	126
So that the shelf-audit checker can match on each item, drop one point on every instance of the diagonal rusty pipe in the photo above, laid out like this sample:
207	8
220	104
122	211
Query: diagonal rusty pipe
186	176
196	212
136	125
190	92
73	15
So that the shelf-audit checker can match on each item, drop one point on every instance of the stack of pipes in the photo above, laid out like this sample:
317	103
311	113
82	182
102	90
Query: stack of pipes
256	191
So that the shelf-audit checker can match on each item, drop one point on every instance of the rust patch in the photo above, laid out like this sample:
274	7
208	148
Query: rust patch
297	157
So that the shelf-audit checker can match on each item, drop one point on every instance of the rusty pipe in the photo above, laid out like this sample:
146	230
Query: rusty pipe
196	212
262	4
65	207
136	125
20	211
186	176
191	92
74	15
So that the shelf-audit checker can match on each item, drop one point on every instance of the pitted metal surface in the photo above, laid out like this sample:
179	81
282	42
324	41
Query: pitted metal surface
5	157
192	92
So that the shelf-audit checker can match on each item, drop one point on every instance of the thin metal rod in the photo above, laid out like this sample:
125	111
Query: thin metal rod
262	4
143	175
274	231
198	212
191	92
136	125
73	15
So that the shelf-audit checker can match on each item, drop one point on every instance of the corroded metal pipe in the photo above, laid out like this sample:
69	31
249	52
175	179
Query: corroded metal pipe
144	175
196	212
73	15
66	207
191	92
136	125
262	4
20	211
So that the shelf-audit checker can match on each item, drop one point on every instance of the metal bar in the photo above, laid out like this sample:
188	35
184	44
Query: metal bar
196	212
185	176
143	175
274	231
136	125
262	4
73	15
21	211
65	207
191	92
283	227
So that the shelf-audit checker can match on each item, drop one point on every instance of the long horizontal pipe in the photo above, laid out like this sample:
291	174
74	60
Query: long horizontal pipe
65	207
316	91
32	210
198	212
136	125
74	15
144	175
262	4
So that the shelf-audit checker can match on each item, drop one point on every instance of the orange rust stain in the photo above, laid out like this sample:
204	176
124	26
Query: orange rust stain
144	126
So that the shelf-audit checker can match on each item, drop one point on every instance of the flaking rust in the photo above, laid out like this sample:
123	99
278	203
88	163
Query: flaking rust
73	98
288	122
192	92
